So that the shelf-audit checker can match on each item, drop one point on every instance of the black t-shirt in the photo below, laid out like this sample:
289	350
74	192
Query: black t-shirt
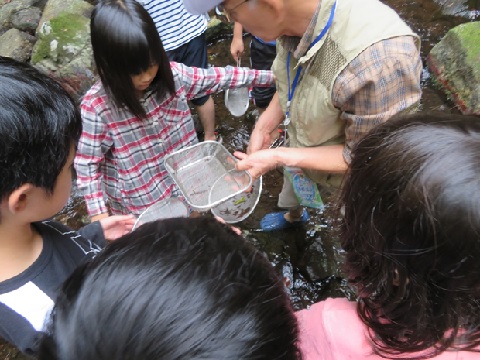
27	299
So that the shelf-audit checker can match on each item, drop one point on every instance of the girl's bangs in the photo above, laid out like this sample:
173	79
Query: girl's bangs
137	59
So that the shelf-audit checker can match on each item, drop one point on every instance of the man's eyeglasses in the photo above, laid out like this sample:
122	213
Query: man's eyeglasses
221	10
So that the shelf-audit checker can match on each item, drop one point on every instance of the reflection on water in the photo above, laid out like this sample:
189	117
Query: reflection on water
309	258
468	9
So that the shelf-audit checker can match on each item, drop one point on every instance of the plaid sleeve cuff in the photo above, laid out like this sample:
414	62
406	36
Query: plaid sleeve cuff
94	199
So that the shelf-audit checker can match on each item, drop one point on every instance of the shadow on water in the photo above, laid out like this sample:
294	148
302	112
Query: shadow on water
310	257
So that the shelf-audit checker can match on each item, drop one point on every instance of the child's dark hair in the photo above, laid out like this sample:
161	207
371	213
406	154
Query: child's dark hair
411	232
175	289
39	125
125	42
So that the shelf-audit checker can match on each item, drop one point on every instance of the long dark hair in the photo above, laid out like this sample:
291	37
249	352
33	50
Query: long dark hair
174	289
125	42
411	233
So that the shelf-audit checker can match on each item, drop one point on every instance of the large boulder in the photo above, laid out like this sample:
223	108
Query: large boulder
27	19
11	10
455	65
16	44
63	47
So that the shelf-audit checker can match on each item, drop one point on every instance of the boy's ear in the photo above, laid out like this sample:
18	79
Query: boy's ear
17	200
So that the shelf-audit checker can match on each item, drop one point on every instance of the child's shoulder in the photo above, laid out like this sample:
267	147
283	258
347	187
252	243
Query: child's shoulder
329	307
332	314
62	250
95	93
327	325
66	241
27	298
53	229
65	248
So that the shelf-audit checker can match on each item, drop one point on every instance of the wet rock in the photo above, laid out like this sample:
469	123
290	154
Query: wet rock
63	47
26	19
466	8
455	65
16	44
318	259
217	30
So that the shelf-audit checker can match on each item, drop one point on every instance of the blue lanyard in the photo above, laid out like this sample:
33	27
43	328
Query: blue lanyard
291	90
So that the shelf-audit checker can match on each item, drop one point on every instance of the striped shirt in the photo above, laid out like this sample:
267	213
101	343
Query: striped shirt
174	23
120	157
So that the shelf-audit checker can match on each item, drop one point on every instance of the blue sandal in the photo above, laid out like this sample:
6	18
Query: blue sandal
276	221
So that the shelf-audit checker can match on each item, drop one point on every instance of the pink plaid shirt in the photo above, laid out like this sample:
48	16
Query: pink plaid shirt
120	157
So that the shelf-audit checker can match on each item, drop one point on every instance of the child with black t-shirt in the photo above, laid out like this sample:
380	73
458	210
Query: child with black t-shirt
39	130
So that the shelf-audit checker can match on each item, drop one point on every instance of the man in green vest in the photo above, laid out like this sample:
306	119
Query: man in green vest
342	67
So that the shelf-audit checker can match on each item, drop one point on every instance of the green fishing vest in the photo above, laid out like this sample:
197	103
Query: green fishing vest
314	120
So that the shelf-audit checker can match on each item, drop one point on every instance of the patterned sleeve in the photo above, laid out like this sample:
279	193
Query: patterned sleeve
198	82
382	81
92	147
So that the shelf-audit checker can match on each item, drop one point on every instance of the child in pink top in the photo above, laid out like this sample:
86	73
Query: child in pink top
410	231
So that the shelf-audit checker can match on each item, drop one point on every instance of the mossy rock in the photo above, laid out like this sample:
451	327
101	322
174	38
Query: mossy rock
63	48
54	8
61	38
455	65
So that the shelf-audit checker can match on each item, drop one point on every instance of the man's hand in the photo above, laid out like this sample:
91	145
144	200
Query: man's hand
266	128
260	140
116	226
259	162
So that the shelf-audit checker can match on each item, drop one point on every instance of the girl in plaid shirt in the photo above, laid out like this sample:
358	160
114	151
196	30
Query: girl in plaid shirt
138	112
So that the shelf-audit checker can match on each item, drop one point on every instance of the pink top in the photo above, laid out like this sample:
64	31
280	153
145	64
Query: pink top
331	330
